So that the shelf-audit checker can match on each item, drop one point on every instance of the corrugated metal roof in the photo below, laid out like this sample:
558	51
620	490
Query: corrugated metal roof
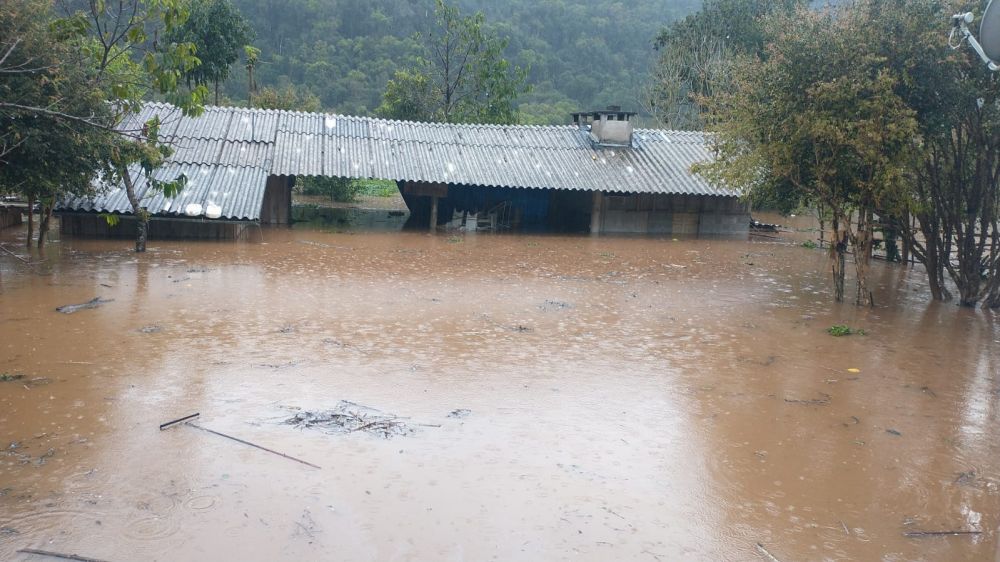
238	192
231	151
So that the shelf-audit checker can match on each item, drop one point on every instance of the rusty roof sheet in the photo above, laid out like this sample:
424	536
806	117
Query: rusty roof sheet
251	144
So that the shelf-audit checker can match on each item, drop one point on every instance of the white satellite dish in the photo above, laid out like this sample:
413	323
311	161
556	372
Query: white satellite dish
989	34
989	31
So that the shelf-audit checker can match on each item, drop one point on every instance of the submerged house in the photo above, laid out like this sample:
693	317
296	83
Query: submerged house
599	175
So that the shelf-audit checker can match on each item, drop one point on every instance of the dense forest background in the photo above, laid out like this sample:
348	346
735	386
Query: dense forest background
582	55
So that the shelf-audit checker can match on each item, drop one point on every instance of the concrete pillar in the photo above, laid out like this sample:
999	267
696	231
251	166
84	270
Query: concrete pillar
595	215
434	213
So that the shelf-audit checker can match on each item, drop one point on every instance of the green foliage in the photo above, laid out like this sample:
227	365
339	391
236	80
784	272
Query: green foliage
377	188
337	189
809	245
820	119
220	34
584	54
461	77
409	96
737	23
840	330
695	55
345	190
957	102
289	98
53	118
129	69
8	377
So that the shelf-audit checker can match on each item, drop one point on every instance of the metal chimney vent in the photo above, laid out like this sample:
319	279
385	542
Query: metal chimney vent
611	127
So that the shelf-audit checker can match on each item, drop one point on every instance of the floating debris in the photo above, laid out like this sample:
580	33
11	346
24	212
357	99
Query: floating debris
348	417
967	478
23	379
186	420
762	550
460	413
555	305
41	460
92	303
150	330
277	366
823	400
920	534
51	554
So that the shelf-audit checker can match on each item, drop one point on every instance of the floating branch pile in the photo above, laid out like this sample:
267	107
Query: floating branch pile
348	417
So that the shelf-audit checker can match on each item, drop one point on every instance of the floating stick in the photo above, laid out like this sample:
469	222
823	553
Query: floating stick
186	420
177	421
4	248
767	555
917	534
57	555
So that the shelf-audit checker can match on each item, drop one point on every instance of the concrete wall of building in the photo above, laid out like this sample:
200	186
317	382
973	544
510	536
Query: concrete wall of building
688	215
94	226
11	215
277	206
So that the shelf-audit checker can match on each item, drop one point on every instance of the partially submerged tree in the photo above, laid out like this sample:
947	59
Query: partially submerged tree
955	176
220	33
820	118
124	43
462	78
54	123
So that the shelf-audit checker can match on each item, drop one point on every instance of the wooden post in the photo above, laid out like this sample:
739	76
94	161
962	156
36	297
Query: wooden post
434	213
595	215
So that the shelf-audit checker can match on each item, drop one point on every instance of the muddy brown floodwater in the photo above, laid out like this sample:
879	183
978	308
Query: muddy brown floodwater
568	398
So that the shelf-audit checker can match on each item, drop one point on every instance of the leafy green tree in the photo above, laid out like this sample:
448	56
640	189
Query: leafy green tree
695	54
289	98
464	77
822	117
590	54
49	113
220	33
337	189
409	96
128	63
955	176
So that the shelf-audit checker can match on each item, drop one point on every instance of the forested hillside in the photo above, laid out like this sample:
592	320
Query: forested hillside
582	55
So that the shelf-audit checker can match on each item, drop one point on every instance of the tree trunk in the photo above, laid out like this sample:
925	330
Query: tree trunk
31	219
43	223
141	214
992	299
216	92
935	273
863	247
838	255
905	239
141	232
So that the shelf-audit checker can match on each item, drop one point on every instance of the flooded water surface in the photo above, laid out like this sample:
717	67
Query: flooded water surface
547	398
